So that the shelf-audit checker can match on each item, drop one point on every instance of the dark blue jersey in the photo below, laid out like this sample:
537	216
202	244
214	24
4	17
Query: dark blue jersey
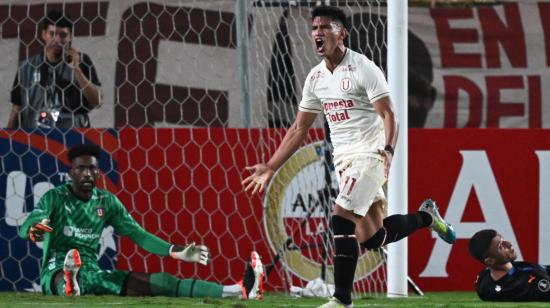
524	282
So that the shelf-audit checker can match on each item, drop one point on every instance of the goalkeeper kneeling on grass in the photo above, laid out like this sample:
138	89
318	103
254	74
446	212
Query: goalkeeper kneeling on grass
70	219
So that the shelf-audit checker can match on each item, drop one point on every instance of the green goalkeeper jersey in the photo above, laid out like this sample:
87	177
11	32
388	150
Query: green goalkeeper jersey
79	224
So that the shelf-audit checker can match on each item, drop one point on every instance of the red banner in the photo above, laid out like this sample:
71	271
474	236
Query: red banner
479	178
184	185
487	178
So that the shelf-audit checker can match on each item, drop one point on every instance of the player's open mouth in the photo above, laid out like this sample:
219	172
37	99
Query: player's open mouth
319	43
88	183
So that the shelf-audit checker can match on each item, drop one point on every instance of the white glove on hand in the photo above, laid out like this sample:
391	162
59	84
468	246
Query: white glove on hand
191	253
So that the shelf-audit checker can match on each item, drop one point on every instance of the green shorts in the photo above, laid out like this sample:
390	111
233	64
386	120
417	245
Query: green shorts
93	281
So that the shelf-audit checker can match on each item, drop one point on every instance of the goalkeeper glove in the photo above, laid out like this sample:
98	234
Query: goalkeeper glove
191	253
36	231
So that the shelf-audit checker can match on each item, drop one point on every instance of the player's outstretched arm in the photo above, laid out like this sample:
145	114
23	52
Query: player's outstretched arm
295	136
191	253
125	225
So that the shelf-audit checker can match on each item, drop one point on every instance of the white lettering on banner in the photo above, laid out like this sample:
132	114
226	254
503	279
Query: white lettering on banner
476	173
15	196
544	209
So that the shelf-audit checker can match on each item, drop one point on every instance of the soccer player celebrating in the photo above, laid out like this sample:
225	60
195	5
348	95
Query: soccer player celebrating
505	279
70	220
353	93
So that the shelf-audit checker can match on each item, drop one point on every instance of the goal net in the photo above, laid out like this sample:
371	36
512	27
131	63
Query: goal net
188	103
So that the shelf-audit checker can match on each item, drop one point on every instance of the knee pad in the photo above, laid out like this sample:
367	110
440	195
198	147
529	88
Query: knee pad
376	241
342	226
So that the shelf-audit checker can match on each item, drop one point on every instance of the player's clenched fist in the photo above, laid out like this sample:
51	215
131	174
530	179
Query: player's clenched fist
36	231
191	253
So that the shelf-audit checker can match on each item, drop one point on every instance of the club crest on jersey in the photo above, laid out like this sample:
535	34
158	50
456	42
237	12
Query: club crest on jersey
544	285
345	85
100	212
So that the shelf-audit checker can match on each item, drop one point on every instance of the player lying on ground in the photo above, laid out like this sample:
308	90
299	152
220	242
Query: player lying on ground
353	93
70	220
504	279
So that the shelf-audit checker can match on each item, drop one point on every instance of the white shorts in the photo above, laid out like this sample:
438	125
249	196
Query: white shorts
360	178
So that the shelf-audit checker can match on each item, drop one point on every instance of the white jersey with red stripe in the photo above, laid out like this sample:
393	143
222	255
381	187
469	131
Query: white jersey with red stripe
346	96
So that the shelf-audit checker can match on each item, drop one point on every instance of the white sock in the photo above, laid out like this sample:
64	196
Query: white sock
234	290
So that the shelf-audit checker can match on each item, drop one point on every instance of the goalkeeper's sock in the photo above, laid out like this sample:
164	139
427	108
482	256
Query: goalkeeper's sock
401	226
60	287
168	285
345	257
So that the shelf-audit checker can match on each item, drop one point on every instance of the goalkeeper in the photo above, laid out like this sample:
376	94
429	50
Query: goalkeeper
70	220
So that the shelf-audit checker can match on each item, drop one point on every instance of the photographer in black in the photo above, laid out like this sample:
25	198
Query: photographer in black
58	87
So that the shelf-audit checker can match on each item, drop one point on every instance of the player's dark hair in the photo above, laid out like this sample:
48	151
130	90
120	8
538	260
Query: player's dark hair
58	19
479	244
84	149
334	13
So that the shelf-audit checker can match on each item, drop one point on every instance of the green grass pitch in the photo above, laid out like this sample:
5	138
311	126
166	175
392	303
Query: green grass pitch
431	299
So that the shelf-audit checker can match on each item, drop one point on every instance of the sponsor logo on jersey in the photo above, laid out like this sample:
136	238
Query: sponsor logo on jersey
544	285
338	116
297	203
316	75
348	68
80	233
68	231
336	105
337	111
51	263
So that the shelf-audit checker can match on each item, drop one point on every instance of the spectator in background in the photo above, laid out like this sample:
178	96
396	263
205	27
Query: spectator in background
58	87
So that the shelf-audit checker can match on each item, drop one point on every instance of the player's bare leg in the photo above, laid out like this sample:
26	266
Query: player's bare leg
368	225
